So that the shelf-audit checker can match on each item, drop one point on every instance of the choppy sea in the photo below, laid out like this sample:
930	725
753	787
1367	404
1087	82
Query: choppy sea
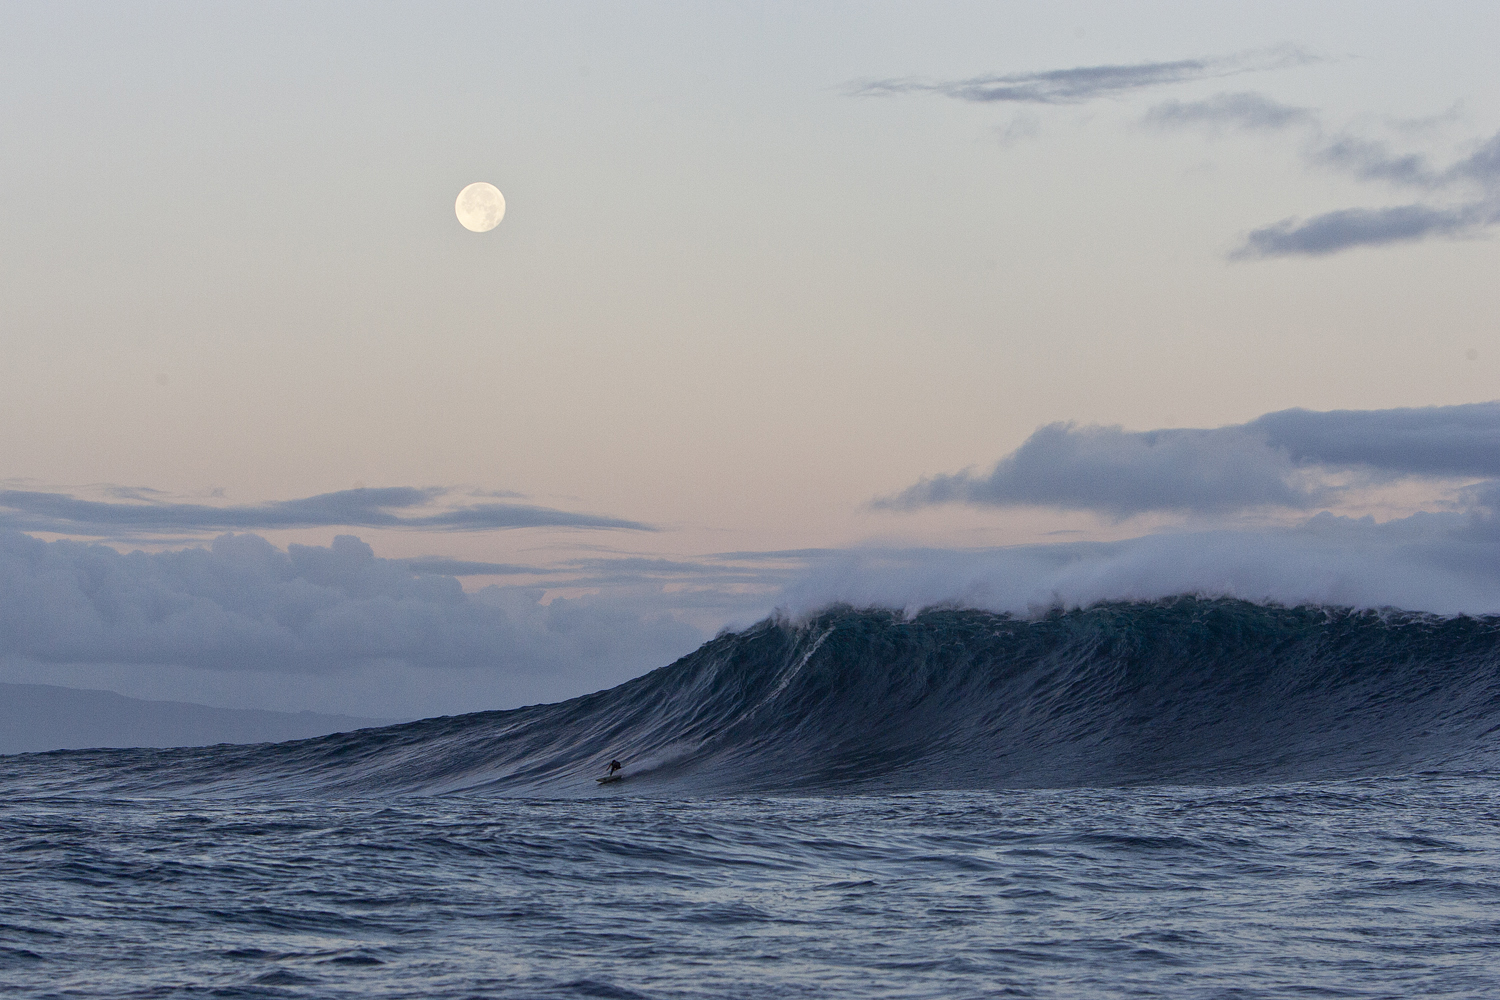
1179	799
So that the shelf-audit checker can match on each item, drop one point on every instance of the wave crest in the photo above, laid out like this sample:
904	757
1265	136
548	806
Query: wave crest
1180	691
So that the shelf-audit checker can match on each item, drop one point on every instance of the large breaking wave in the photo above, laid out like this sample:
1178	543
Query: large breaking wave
1180	691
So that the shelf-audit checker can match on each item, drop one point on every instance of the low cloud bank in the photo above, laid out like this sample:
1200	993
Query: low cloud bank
312	616
1284	459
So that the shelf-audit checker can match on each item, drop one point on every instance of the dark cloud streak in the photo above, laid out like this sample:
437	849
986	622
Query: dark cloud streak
1347	228
1083	83
61	513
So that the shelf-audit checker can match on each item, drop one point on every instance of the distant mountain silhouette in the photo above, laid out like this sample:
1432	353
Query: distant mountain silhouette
37	717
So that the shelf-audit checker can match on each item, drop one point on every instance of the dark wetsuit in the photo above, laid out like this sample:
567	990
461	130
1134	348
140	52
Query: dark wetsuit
614	766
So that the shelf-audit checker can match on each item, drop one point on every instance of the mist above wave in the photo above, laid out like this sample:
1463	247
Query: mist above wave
1441	563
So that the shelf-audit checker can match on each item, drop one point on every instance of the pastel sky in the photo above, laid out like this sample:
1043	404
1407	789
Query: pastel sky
891	303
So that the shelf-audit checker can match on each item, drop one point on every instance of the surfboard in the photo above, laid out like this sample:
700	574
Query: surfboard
608	778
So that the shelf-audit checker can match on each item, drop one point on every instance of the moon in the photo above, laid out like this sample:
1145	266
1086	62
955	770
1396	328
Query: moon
480	207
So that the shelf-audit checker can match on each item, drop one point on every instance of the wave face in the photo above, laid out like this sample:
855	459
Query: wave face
1186	691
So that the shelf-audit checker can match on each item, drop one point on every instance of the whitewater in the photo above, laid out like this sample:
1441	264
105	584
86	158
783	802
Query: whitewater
1186	797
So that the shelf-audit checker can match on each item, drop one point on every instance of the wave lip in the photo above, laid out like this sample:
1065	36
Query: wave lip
1188	691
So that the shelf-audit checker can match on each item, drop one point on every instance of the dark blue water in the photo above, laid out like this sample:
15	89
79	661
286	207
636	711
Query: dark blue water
1183	799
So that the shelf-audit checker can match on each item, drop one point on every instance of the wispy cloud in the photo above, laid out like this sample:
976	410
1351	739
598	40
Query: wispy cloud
1369	160
443	566
1465	193
1079	84
1472	182
1279	460
1359	156
143	512
1347	228
1245	111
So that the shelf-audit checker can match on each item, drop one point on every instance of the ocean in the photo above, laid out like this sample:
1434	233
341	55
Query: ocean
1184	798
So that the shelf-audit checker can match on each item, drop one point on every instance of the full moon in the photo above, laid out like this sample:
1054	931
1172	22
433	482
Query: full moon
480	207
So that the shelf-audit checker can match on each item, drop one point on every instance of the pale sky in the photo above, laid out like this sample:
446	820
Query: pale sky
761	266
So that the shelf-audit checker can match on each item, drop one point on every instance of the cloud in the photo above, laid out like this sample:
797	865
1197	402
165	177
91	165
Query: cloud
308	616
1245	110
1374	161
1358	227
773	555
1421	441
144	512
243	623
709	572
1347	228
1282	460
443	566
1485	496
1121	473
1085	83
1482	166
1362	158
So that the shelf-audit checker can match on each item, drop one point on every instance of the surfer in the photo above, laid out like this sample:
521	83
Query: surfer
614	766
